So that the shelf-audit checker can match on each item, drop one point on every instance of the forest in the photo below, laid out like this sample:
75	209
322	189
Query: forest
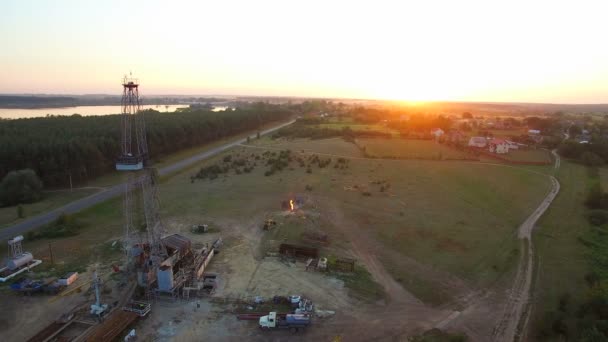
57	147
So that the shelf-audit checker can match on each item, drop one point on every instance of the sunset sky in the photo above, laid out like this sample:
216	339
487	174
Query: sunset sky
481	50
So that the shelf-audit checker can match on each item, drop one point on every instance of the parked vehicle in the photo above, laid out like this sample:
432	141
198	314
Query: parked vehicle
294	322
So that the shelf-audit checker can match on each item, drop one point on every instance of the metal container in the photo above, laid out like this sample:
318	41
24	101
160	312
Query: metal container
68	279
165	278
20	261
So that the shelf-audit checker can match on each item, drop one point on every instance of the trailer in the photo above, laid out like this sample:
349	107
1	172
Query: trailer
293	322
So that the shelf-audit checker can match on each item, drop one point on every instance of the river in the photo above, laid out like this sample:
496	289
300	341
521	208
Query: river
10	113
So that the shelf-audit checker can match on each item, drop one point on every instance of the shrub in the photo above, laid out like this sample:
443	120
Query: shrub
598	217
22	186
591	159
65	225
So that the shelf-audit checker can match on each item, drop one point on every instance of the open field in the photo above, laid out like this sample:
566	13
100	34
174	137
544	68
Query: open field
562	263
538	155
409	149
361	127
335	146
51	200
422	232
449	233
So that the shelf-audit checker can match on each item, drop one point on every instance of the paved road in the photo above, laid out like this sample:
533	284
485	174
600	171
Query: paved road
114	191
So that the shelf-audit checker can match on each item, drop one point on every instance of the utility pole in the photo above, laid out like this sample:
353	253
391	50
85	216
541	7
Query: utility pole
51	254
71	188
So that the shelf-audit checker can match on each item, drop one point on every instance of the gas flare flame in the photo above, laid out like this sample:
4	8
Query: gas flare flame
291	204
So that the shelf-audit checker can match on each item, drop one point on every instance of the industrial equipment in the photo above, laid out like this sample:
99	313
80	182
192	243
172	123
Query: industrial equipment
98	309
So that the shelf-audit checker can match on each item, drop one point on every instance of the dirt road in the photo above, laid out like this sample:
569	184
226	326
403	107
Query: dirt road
512	325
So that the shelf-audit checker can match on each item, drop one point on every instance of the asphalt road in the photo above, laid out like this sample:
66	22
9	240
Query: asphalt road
116	190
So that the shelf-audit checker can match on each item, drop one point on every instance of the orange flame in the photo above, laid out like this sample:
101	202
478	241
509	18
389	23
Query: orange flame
291	204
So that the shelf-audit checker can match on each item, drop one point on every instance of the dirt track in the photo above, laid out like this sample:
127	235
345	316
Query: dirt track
512	325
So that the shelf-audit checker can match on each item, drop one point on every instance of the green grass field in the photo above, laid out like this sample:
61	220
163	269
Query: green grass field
451	222
409	149
538	155
561	259
326	146
361	127
455	218
51	200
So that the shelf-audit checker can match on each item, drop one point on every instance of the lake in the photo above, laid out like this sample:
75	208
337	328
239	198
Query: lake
9	113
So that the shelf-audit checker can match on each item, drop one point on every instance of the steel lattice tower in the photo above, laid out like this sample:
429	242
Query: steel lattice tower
142	242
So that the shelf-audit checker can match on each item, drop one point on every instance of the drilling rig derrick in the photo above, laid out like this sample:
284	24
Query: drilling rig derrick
143	226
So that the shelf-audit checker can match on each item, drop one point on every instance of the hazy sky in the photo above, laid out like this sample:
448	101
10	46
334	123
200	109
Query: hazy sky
508	50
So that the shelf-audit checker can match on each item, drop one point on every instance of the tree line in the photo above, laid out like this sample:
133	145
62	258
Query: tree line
85	147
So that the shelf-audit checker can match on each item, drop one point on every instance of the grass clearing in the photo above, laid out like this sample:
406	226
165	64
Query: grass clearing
438	214
560	256
538	155
361	127
336	146
52	200
409	149
361	285
445	220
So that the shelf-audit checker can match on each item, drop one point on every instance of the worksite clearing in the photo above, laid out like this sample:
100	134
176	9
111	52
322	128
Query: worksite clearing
405	245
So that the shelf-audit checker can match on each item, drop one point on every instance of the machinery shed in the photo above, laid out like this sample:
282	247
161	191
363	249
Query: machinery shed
177	243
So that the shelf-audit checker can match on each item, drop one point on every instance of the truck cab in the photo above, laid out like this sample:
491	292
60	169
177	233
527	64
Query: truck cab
269	321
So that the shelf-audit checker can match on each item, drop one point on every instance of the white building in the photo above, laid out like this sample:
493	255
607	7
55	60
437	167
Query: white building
480	142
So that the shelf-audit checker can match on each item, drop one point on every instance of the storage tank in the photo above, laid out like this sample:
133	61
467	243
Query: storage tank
20	261
15	240
297	319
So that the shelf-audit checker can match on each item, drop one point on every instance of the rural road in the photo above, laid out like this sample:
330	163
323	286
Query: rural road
512	325
116	190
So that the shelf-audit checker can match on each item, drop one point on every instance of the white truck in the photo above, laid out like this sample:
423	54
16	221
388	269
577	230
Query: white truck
294	322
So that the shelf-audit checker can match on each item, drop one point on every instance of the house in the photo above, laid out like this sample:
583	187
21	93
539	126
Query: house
499	146
437	132
480	142
534	131
512	145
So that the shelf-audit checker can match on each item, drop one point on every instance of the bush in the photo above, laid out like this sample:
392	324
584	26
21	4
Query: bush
597	217
20	211
596	198
21	186
591	159
65	225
